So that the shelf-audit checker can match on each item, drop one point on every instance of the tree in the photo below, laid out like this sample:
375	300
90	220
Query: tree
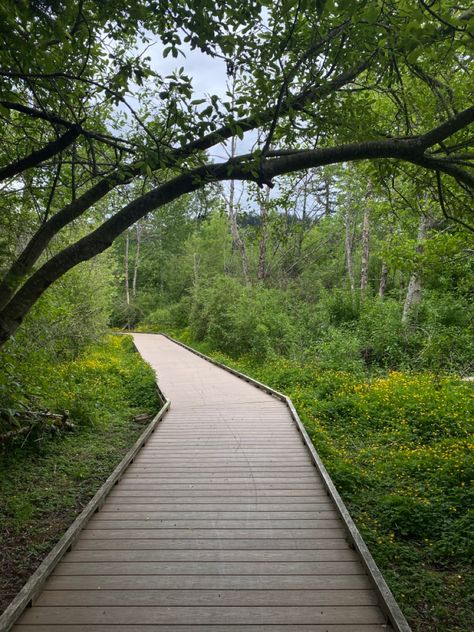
413	295
383	81
364	272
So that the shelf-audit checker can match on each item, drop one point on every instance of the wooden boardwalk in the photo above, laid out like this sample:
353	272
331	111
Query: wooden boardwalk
222	523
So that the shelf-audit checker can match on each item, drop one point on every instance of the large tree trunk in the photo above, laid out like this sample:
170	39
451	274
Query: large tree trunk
383	279
413	295
237	241
364	272
349	246
136	263
127	276
262	246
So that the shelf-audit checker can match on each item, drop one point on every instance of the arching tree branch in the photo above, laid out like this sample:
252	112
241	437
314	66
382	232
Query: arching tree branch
39	156
24	263
410	150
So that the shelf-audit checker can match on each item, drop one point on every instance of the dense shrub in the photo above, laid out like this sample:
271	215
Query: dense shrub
92	387
238	319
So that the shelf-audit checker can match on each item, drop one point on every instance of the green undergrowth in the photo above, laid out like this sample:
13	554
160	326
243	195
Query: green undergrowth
399	449
45	480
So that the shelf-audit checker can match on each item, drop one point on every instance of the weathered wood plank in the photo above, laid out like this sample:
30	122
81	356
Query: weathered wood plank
204	615
223	534
234	508
216	555
208	582
263	495
194	628
209	568
221	598
102	521
192	543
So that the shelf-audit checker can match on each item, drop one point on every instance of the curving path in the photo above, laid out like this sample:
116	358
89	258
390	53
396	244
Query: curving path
222	523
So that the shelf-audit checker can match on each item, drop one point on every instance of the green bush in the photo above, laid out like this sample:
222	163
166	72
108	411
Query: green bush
92	387
238	320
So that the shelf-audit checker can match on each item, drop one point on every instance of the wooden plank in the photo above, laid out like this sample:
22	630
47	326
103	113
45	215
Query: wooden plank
204	615
220	598
216	515
205	468
127	505
216	555
262	495
206	534
101	522
209	568
195	628
224	488
208	582
192	543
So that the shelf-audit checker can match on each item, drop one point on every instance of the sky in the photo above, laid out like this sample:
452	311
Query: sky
209	77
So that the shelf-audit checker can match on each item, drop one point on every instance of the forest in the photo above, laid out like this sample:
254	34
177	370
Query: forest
287	187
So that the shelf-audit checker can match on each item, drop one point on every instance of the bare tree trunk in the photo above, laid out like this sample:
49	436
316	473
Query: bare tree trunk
383	279
327	200
349	247
138	228
237	240
127	282
413	295
364	272
262	246
196	259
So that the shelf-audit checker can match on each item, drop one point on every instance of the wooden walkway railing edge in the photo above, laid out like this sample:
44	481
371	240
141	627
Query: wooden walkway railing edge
386	599
35	583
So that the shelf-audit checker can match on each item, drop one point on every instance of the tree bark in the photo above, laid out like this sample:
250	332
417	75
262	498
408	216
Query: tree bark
39	156
237	241
327	196
136	263
262	246
414	289
383	279
127	276
349	245
364	271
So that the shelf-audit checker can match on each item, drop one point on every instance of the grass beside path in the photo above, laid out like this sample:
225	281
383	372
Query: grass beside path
45	482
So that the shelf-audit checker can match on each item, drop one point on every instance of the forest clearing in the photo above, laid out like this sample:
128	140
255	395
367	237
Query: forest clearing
287	188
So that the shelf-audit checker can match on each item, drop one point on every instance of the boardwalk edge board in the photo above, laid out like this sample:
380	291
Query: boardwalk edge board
34	585
387	600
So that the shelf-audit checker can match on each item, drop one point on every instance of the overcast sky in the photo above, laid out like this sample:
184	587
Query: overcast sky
208	76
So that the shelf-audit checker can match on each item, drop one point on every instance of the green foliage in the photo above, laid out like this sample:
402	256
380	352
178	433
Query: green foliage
93	387
238	319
